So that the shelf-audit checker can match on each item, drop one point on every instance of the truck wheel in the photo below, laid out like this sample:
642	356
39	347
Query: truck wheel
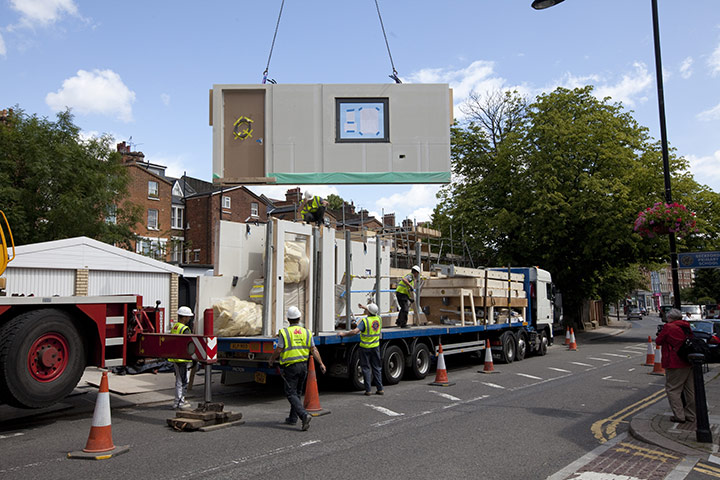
393	365
543	347
42	358
522	347
357	381
508	347
420	361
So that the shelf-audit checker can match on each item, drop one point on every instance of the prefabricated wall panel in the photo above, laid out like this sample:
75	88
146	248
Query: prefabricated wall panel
331	133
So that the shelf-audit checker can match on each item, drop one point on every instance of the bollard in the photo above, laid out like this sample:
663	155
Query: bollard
702	432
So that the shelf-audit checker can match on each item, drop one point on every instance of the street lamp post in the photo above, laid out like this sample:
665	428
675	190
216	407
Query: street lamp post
542	4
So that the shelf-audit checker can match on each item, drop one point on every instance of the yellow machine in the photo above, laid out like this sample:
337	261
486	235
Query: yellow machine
6	258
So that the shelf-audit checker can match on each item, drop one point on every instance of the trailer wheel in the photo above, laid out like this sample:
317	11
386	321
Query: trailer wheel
420	361
508	347
543	347
393	365
42	357
522	347
357	381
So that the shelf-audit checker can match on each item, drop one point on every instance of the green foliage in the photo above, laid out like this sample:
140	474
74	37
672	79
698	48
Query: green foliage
54	185
561	190
705	289
335	202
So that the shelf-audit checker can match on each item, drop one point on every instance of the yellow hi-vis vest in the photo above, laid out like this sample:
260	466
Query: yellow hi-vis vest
370	337
297	345
402	288
179	329
311	206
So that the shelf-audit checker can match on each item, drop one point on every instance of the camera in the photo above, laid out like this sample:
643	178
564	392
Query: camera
659	329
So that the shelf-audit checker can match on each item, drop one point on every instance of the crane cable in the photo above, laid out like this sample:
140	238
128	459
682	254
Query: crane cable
394	75
277	25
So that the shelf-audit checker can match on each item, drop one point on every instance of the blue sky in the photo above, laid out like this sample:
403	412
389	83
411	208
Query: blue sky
142	69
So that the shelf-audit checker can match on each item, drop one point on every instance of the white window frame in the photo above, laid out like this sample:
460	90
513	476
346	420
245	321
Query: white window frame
226	202
177	217
151	247
111	216
153	193
157	222
254	209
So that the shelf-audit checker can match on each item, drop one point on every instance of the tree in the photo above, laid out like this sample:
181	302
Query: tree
54	184
335	202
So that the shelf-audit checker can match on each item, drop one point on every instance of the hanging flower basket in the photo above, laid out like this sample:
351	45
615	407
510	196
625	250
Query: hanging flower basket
664	218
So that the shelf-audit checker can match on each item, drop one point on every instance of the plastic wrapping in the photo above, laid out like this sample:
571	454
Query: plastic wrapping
235	317
297	263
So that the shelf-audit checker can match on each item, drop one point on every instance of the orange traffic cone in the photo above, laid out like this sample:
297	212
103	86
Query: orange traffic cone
573	345
312	398
441	378
488	367
99	444
650	358
567	336
657	367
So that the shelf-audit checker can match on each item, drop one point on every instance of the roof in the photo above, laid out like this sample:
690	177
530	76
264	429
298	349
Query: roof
83	252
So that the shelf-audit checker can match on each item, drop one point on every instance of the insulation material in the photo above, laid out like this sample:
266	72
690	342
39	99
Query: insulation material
257	292
294	296
235	317
297	263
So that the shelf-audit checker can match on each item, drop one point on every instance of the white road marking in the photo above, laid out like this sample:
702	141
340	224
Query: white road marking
529	376
615	355
559	370
493	385
384	410
446	395
17	434
598	358
582	364
629	351
610	379
631	370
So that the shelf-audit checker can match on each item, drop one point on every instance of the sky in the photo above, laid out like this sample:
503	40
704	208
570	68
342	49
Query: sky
140	70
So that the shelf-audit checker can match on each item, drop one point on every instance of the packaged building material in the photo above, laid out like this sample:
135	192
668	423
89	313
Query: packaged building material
235	317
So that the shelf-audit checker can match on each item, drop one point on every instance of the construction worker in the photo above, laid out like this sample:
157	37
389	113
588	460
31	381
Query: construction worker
405	286
185	316
369	329
294	347
312	209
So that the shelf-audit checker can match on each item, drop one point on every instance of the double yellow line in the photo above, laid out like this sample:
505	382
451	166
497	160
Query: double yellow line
606	428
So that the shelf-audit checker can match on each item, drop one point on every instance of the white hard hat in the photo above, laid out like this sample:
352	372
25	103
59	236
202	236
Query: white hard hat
308	196
415	268
293	313
185	312
373	309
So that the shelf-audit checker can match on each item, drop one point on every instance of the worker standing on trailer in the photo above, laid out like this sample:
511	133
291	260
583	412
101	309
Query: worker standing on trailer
312	209
185	316
369	329
405	286
294	347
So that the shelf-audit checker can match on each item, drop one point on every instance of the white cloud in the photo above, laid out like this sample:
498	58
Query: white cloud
686	68
711	114
3	49
165	98
98	92
43	12
277	192
706	170
416	204
714	61
630	88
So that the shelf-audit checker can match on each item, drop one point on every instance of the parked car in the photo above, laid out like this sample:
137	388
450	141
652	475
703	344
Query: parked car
663	310
691	312
634	313
712	311
710	332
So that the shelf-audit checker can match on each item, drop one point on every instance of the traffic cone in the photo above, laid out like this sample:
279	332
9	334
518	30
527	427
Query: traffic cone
573	345
567	336
441	378
488	367
650	358
312	398
99	444
657	367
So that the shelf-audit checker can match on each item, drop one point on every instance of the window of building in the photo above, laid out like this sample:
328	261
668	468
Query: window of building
254	211
177	250
153	189
226	202
196	256
111	214
151	247
152	219
177	216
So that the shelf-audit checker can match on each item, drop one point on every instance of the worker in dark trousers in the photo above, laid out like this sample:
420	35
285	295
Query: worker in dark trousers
312	209
294	347
369	329
403	292
181	327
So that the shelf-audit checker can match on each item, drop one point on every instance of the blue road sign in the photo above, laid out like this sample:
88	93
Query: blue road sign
699	260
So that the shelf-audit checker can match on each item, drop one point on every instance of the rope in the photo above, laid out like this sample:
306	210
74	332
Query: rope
272	46
394	75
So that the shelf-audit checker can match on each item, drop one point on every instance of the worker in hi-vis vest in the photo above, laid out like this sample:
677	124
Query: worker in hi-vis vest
369	329
312	209
403	291
294	347
185	316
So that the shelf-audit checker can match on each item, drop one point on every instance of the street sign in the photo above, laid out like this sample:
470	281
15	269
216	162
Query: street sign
699	260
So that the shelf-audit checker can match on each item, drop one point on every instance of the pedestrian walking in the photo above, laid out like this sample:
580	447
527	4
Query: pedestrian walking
312	209
678	373
405	286
181	327
294	347
369	329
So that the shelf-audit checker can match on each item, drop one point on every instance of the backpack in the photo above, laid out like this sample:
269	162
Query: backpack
692	344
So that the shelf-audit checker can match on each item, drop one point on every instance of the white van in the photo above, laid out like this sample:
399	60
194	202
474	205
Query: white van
691	312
